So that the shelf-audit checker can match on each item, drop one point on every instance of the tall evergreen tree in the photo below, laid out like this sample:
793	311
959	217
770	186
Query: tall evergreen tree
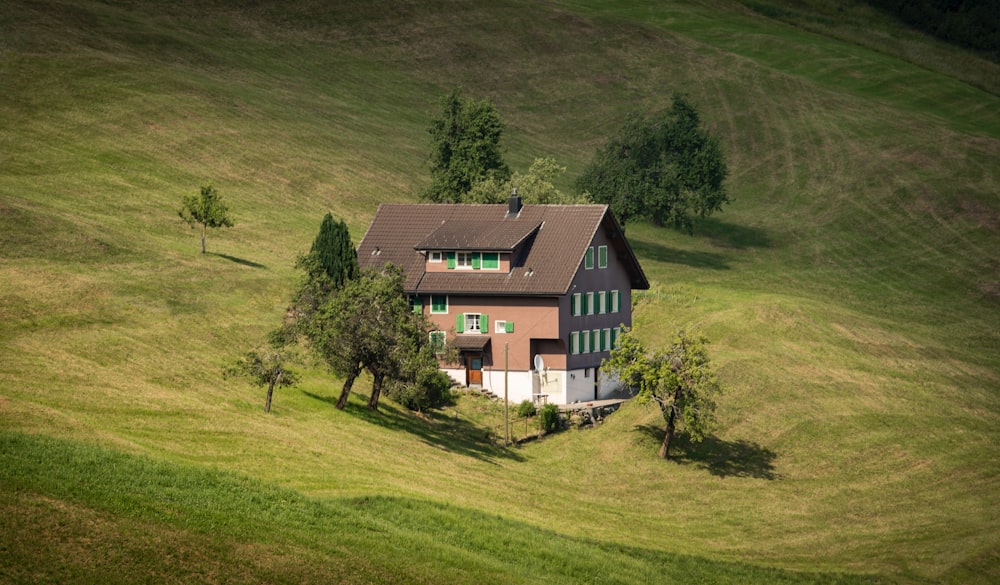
334	253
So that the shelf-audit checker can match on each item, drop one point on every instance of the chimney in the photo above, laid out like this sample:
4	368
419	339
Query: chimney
514	204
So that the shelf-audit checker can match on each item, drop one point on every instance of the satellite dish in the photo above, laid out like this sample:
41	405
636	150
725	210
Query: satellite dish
539	363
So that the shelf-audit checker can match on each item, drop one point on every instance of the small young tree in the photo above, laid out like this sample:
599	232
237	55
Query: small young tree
465	148
207	210
680	380
266	366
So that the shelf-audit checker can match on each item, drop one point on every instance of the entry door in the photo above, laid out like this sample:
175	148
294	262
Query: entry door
474	368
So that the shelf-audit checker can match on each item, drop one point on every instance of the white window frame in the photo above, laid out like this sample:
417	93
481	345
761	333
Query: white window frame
606	342
616	301
602	302
574	342
459	256
482	261
588	258
445	311
435	257
478	319
602	251
576	305
586	340
499	327
590	303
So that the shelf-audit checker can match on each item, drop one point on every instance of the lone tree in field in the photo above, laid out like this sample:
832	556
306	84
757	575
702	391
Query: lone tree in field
265	367
666	168
207	210
465	148
680	380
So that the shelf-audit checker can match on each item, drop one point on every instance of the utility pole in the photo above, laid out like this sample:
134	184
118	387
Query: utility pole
506	404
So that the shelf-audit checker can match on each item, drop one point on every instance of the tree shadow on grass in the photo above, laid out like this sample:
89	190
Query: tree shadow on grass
434	428
661	253
730	235
241	261
720	458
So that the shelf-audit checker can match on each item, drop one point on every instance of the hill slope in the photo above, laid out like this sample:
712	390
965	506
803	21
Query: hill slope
852	289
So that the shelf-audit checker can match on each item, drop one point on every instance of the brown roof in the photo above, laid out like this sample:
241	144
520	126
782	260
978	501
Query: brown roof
474	236
556	238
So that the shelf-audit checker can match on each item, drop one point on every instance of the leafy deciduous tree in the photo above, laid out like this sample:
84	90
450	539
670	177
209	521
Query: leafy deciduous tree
667	168
535	186
368	324
680	380
207	210
465	148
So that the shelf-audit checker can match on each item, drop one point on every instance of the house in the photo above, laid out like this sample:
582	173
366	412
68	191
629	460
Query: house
534	296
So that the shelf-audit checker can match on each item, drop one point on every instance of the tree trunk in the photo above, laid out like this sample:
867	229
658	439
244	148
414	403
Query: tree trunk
204	232
665	447
346	391
376	391
270	391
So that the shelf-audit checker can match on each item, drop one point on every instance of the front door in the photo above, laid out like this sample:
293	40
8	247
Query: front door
474	368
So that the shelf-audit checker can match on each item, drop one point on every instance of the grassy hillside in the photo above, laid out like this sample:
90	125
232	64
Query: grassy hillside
852	291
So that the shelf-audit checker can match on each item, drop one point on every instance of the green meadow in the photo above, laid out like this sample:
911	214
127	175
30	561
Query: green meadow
851	291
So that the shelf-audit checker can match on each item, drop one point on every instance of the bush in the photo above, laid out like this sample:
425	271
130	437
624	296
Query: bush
526	409
432	389
550	418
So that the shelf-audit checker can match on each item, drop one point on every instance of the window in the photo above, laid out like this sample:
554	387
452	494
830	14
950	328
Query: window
575	307
416	304
500	327
590	303
616	301
588	262
602	257
491	261
434	257
616	335
586	342
463	259
602	302
606	340
439	304
438	339
574	342
595	340
470	323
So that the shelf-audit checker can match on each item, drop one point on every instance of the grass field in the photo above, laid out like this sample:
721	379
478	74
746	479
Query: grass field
851	291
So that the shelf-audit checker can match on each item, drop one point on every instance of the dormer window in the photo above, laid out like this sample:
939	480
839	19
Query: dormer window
434	257
463	260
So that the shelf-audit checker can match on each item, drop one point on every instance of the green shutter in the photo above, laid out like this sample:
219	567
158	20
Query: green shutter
477	261
588	263
418	305
460	323
491	261
451	260
508	327
484	323
602	257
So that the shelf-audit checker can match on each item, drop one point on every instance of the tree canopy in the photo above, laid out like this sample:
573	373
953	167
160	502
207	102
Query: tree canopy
666	168
680	380
207	210
368	324
535	186
465	148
